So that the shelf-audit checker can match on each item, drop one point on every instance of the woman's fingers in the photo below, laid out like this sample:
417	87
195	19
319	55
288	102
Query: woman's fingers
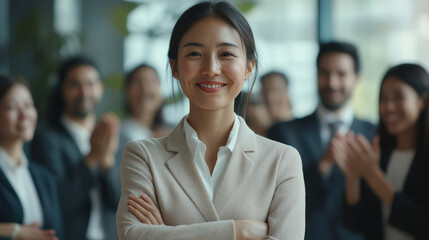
154	210
138	215
143	208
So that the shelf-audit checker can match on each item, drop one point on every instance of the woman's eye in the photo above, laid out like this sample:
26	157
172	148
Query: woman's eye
194	54
227	54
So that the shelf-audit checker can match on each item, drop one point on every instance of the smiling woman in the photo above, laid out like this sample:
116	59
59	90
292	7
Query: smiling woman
28	194
212	177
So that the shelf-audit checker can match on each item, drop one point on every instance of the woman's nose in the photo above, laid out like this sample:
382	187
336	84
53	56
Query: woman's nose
211	66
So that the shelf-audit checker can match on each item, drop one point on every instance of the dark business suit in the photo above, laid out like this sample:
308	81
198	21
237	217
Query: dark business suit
11	209
410	207
55	148
323	195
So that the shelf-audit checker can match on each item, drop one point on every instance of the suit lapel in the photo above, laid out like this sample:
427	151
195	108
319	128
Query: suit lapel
239	166
314	138
40	188
184	171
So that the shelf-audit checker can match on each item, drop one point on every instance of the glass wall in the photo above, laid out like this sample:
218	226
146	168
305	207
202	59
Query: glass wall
285	33
387	33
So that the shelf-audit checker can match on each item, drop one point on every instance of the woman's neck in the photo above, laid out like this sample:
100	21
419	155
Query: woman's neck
145	118
407	140
212	127
13	149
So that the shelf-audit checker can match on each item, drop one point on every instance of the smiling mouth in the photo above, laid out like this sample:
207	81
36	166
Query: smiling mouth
210	85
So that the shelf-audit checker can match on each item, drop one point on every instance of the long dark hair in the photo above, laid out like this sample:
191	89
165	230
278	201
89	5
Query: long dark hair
227	13
56	103
158	120
418	78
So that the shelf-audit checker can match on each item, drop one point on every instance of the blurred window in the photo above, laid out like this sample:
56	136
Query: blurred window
387	33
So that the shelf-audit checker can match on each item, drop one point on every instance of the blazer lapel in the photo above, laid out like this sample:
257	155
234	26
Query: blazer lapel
184	171
314	138
239	166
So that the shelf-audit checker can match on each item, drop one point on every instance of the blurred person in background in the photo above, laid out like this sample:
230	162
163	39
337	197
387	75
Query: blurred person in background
29	204
271	105
81	152
387	182
274	90
143	106
338	70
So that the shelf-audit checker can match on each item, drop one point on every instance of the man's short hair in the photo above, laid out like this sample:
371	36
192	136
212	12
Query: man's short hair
340	47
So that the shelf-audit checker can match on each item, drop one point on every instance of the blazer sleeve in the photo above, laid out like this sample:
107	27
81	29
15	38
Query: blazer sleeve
286	218
136	179
407	215
74	183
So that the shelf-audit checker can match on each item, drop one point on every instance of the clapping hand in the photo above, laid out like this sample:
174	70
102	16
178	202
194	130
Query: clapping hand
104	142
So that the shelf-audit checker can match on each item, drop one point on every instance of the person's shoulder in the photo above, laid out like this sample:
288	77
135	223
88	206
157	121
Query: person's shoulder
268	145
147	145
364	122
40	170
48	130
296	123
365	127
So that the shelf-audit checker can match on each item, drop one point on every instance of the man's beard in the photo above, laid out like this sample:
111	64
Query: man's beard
79	109
334	105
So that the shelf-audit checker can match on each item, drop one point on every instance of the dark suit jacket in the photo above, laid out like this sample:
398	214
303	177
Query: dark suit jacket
11	208
55	148
323	195
410	207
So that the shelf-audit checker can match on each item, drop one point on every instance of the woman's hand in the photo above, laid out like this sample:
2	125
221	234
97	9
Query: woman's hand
341	155
30	232
363	155
250	230
145	210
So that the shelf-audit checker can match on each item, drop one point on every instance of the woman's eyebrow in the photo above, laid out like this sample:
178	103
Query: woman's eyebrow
223	44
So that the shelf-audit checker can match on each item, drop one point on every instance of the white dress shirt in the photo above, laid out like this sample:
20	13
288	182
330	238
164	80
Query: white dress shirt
20	178
198	150
327	117
133	130
82	136
397	171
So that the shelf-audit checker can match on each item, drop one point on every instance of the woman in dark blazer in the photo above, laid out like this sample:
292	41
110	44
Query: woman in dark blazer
29	206
392	201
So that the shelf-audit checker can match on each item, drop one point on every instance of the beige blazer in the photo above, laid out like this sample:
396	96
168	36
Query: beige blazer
263	181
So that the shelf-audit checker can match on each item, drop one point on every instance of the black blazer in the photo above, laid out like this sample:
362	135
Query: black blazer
55	148
410	208
324	196
11	208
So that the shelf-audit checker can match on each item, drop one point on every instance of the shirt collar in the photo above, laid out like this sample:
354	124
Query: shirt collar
193	141
326	116
7	164
80	134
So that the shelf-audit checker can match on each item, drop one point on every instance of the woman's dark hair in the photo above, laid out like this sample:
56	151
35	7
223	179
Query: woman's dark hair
158	120
56	103
418	78
227	13
267	76
7	82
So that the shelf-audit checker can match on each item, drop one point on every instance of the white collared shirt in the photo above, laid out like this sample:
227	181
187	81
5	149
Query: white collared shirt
396	172
326	117
82	136
198	149
20	178
133	130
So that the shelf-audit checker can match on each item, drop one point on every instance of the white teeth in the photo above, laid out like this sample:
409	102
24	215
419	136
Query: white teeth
210	86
